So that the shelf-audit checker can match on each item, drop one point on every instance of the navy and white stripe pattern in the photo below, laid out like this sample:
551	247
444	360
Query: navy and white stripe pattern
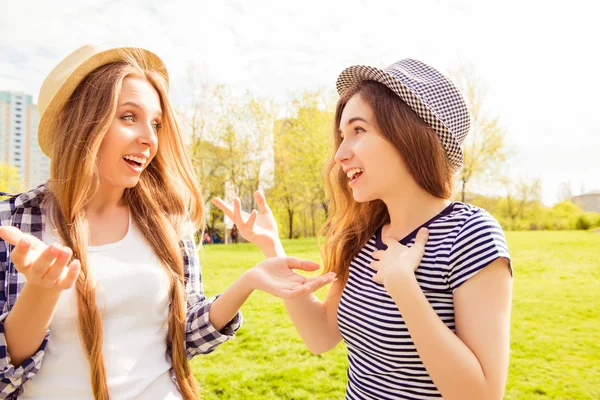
383	360
25	212
428	92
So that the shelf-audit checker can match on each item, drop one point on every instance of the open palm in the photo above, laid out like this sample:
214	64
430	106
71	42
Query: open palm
277	276
258	227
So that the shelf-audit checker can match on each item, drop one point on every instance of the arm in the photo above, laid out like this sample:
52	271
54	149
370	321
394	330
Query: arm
212	322
473	363
24	329
315	321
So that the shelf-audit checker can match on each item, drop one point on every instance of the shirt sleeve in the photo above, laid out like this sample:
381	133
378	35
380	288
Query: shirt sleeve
479	242
201	335
13	378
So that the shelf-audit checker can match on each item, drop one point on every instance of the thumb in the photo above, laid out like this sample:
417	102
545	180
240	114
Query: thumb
11	234
304	265
421	239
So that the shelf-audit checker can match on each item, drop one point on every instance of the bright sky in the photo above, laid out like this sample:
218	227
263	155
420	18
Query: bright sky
539	59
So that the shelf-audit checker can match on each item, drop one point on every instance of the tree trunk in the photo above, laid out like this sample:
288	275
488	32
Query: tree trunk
291	223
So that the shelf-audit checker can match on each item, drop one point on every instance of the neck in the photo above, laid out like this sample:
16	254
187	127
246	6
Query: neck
409	209
107	200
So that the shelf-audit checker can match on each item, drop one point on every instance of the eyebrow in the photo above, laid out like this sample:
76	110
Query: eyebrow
352	120
136	105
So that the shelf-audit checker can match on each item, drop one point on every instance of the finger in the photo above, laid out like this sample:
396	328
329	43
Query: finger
390	242
421	239
261	202
11	234
331	276
41	265
61	261
315	284
251	220
223	206
375	265
69	275
377	278
237	212
377	254
304	265
19	254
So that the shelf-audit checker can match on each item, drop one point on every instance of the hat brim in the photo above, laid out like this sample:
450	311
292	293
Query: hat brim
358	73
48	119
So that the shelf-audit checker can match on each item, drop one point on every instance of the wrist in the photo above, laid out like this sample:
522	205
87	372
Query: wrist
274	250
41	294
248	282
392	282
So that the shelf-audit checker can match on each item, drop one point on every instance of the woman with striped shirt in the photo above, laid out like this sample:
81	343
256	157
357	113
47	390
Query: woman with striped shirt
423	290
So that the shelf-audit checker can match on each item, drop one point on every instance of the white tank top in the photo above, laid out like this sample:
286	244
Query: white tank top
132	294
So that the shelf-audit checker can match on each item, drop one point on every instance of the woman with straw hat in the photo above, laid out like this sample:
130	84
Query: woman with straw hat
101	293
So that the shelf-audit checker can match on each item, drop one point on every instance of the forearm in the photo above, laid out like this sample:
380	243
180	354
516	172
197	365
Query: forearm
273	250
453	367
313	323
27	323
227	305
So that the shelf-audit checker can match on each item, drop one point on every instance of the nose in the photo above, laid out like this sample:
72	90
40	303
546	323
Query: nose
343	153
147	135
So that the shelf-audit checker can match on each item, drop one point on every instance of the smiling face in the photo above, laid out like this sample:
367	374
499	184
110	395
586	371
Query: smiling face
385	150
373	165
131	141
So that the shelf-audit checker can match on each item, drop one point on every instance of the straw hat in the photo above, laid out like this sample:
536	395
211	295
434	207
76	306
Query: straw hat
62	81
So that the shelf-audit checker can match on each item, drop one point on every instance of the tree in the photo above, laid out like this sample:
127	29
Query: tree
485	147
301	146
10	180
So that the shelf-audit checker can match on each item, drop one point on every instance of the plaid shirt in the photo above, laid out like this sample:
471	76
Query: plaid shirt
24	211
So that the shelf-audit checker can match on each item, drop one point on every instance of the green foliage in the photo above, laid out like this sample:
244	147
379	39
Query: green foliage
301	147
10	180
532	215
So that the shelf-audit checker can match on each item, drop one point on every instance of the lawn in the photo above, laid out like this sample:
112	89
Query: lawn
555	351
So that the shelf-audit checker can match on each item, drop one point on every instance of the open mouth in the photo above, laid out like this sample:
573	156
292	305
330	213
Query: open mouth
135	162
354	174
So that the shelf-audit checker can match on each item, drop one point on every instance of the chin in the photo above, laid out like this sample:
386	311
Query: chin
362	197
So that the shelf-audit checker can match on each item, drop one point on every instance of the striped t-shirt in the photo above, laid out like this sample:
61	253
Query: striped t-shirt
383	360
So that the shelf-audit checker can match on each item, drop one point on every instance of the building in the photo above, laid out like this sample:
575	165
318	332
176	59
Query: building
18	138
588	201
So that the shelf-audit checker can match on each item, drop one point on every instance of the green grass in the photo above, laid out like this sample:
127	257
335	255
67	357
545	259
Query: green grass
555	350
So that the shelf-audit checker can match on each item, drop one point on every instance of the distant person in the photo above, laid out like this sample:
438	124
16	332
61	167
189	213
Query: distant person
234	234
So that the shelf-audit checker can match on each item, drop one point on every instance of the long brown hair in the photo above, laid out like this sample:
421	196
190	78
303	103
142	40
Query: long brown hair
350	224
165	200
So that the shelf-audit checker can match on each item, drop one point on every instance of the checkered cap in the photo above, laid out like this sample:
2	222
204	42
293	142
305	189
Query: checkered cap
429	93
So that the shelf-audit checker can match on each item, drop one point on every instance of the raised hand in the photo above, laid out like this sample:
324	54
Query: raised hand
277	276
44	266
398	260
258	227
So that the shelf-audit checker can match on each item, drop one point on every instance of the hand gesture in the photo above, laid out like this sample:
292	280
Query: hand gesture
44	266
397	261
258	227
277	276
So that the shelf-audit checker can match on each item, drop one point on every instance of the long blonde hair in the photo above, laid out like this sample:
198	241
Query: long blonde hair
350	224
166	199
